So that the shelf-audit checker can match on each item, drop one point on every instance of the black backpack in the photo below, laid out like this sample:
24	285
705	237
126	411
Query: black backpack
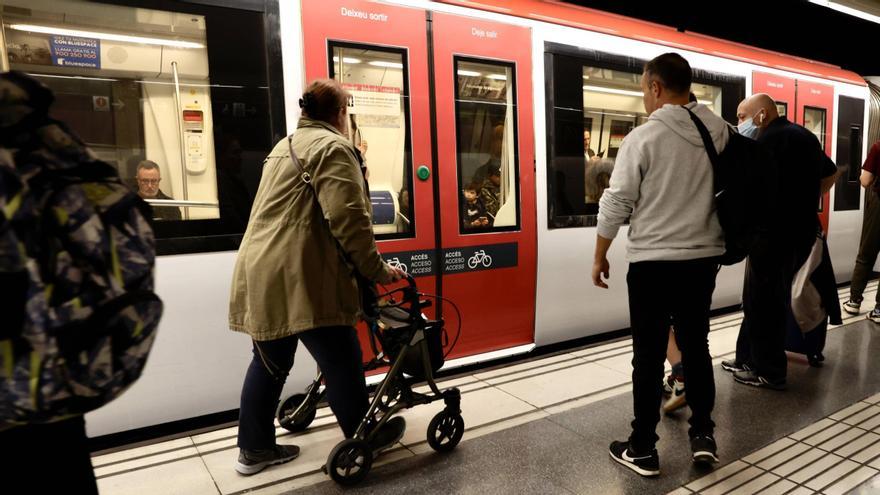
746	187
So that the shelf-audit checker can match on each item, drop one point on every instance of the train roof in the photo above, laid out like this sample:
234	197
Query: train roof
564	14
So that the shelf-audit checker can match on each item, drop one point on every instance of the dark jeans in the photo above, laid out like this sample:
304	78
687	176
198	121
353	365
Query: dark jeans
869	246
48	458
338	353
761	340
680	292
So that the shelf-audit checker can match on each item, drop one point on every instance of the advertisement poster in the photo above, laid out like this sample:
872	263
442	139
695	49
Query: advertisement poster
73	51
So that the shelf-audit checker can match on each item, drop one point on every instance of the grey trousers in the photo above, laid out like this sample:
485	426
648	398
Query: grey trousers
869	246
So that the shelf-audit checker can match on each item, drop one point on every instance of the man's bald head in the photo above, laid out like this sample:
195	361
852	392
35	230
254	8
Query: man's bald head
760	107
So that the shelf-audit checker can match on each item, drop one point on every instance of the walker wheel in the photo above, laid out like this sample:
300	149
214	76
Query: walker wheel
298	422
350	461
445	431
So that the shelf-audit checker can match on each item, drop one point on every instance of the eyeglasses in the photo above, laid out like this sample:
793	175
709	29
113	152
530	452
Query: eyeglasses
151	182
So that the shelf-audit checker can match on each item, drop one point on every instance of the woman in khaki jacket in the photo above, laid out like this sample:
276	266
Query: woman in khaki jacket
309	230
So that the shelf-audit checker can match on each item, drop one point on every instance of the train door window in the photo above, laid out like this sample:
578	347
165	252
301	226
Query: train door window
140	99
485	119
782	108
814	121
378	112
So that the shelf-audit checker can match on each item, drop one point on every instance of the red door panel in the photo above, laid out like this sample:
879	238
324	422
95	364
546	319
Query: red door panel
495	293
815	101
373	26
781	89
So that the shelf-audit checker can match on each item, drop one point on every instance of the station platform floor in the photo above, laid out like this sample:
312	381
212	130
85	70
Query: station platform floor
544	425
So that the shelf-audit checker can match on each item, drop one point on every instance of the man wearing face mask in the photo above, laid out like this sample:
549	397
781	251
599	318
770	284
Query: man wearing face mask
806	173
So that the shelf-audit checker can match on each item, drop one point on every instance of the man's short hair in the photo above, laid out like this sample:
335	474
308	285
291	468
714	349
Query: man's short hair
672	71
147	165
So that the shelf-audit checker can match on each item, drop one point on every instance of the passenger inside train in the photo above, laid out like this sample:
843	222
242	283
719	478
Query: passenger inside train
148	178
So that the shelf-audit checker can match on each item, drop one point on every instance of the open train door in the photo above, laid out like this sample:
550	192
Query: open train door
486	176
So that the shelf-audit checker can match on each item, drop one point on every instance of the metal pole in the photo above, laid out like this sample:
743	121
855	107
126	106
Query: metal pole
4	56
181	135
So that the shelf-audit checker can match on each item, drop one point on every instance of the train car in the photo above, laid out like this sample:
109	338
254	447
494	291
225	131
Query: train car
526	100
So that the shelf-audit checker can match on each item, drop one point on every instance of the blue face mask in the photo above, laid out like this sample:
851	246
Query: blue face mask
748	128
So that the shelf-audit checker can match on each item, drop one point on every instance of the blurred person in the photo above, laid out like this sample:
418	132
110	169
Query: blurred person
869	242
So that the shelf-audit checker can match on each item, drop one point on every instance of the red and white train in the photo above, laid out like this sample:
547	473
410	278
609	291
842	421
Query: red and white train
447	96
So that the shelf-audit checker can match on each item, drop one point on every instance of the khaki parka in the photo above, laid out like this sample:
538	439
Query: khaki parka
290	275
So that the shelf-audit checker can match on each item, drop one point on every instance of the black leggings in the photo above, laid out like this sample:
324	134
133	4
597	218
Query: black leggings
338	353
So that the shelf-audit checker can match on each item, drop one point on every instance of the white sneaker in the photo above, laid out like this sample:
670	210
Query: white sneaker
677	399
852	307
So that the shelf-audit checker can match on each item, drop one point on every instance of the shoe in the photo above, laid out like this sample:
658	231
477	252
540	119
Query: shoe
874	315
390	433
751	378
852	307
676	398
704	449
668	384
253	461
734	366
644	464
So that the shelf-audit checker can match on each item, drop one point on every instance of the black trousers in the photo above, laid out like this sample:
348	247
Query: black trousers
869	246
761	340
338	353
48	458
680	292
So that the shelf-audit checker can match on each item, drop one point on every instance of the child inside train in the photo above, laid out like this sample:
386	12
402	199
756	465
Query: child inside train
473	212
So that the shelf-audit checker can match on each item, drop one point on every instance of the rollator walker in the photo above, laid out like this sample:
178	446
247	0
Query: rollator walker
412	345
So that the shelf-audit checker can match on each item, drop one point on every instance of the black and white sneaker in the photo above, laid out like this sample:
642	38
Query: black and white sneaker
253	461
704	449
734	366
647	464
874	315
677	399
852	307
751	378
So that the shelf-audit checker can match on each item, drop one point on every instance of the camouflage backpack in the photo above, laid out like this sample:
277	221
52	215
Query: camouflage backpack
76	260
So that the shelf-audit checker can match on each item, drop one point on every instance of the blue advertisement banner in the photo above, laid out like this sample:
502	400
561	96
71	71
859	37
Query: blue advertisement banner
73	51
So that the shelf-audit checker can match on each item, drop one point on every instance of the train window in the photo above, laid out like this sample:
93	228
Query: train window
782	108
855	153
594	100
379	128
485	119
168	97
141	100
814	121
613	107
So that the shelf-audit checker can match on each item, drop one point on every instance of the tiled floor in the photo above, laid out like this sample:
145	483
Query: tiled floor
553	393
831	456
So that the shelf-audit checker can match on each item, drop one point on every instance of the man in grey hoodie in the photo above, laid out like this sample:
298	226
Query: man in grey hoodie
662	182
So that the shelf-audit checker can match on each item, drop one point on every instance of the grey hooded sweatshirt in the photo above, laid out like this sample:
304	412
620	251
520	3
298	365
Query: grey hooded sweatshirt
662	182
